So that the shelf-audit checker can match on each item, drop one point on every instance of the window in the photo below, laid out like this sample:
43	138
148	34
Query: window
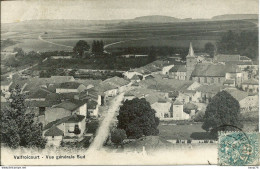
199	79
52	137
218	80
205	80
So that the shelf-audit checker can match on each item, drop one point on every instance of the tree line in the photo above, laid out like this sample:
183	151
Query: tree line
244	43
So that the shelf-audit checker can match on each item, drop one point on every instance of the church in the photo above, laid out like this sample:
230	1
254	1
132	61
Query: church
207	73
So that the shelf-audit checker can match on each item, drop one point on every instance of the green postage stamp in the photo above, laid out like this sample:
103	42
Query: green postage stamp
238	148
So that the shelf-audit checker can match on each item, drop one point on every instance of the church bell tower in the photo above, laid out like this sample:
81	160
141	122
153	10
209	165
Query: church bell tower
191	62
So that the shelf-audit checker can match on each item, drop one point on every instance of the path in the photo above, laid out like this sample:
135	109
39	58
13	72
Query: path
103	129
41	39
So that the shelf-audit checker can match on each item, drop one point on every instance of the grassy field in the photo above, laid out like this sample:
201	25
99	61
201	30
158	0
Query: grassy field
169	132
134	34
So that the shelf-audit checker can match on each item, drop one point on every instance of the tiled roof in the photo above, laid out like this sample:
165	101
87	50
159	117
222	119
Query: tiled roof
240	63
116	81
210	70
166	85
75	118
54	131
60	79
237	94
177	102
182	68
244	58
69	105
40	93
40	103
251	82
213	88
226	58
69	85
135	77
87	82
149	77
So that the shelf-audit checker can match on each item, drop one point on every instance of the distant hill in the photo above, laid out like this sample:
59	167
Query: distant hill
235	17
156	19
46	25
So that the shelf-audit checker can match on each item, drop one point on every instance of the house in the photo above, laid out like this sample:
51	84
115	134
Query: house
247	102
89	83
250	85
177	111
129	74
163	108
5	85
178	72
70	87
39	95
205	73
64	109
67	129
54	136
92	108
118	82
129	96
166	69
136	78
148	77
61	57
133	56
206	92
234	73
230	83
60	79
107	89
91	94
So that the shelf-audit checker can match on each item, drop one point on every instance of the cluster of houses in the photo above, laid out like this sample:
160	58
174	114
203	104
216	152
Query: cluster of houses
176	91
63	105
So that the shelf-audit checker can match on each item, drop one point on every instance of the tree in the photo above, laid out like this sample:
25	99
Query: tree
19	52
97	47
152	54
222	113
81	47
117	136
18	127
137	118
210	49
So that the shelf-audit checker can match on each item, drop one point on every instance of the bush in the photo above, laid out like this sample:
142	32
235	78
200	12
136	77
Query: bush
117	136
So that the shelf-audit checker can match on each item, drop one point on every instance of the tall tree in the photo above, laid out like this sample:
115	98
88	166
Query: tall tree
81	47
18	127
222	113
137	118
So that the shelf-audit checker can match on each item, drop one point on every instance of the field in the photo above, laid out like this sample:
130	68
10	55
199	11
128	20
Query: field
169	132
64	36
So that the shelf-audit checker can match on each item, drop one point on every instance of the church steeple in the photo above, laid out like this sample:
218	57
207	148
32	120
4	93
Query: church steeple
191	62
191	52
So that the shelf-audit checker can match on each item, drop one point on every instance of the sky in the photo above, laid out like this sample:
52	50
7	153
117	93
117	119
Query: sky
16	11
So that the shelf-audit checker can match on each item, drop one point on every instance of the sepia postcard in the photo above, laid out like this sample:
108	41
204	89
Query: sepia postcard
129	82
